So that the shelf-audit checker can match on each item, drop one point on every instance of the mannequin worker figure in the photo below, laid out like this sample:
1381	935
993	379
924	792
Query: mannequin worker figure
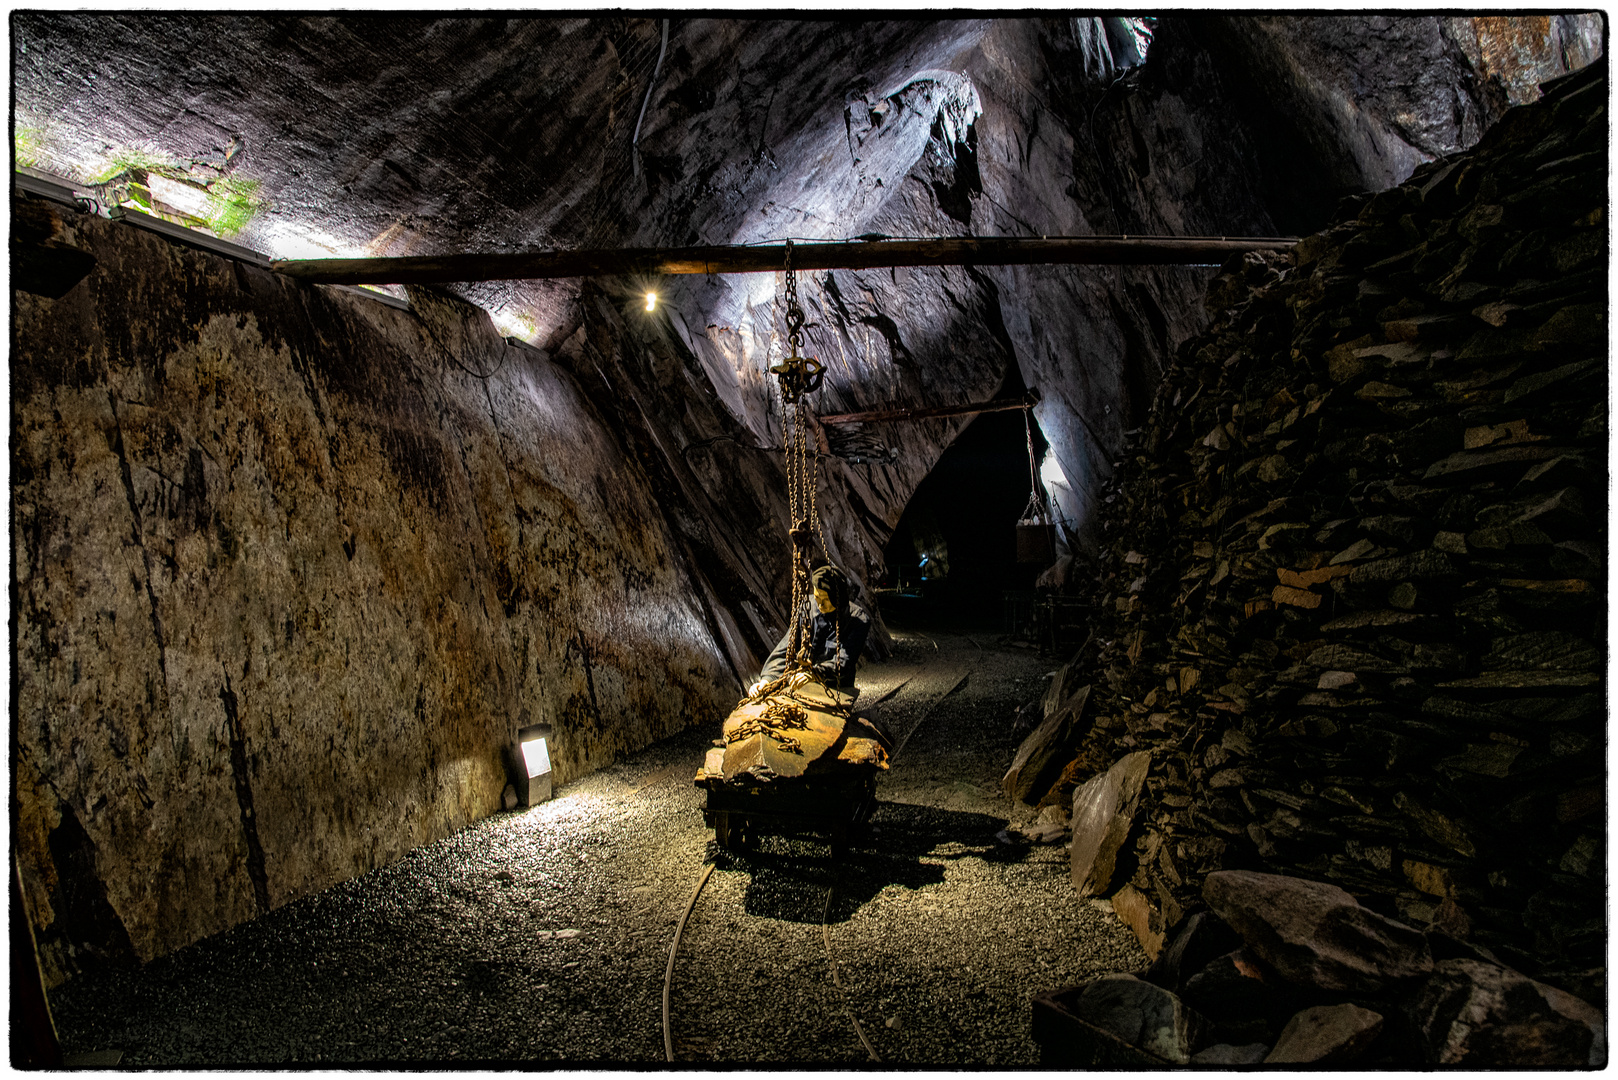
836	635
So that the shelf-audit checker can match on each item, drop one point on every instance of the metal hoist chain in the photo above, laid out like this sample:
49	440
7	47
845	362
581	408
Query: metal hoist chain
797	377
777	719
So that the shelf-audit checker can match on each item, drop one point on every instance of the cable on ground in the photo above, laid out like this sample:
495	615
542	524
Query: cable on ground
674	949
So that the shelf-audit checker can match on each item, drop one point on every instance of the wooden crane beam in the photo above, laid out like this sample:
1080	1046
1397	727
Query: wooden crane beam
840	255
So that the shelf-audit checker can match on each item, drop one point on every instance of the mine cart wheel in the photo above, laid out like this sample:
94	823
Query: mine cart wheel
858	829
723	834
733	831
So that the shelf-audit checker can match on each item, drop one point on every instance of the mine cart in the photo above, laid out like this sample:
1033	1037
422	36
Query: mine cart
796	762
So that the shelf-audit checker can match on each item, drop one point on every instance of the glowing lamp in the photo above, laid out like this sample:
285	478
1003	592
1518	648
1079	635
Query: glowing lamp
534	741
1050	471
651	301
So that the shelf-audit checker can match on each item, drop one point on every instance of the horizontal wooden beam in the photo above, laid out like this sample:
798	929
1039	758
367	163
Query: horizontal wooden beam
840	255
1028	401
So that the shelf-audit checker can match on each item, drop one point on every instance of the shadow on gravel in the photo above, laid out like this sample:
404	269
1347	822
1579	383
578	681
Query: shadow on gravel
789	877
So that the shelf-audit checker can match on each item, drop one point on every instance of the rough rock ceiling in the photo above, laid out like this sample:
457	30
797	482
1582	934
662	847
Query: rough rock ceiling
393	135
418	135
407	134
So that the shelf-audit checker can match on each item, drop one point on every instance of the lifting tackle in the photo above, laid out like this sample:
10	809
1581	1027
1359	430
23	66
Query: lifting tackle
798	376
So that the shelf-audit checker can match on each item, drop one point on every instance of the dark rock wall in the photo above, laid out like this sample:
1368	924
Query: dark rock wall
1352	588
289	577
1289	114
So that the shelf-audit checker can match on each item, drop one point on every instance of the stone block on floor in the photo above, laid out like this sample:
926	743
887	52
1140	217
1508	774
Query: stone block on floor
1103	810
1479	1015
1316	934
1326	1035
1226	1054
1117	1020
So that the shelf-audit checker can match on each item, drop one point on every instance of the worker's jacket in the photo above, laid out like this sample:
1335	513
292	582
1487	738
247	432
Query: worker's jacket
835	642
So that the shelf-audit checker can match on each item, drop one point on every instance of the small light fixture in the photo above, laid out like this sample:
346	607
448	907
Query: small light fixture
651	301
536	756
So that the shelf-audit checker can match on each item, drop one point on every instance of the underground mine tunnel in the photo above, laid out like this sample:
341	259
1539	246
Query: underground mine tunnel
953	555
424	430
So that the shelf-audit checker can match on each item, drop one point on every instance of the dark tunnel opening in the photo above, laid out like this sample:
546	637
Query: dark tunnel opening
952	559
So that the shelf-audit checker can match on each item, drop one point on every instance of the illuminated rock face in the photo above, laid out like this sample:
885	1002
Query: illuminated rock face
290	578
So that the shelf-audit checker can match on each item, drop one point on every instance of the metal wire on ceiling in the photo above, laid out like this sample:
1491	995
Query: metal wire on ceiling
602	219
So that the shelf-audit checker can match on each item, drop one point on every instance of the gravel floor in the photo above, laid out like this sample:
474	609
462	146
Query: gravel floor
543	935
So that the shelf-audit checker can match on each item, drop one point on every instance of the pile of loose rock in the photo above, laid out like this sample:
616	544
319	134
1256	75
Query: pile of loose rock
1283	971
1350	609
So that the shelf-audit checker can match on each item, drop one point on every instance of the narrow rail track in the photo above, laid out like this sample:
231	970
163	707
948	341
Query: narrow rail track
831	890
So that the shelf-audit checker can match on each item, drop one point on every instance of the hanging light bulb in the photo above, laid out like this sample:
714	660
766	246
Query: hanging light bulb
651	301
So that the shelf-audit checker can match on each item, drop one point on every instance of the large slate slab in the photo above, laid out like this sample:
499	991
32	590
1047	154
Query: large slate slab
1143	1015
1316	934
1326	1035
1103	810
1041	756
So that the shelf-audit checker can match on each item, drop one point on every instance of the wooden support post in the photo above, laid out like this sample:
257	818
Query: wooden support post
840	255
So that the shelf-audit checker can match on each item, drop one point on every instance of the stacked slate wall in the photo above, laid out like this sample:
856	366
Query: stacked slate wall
1351	591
